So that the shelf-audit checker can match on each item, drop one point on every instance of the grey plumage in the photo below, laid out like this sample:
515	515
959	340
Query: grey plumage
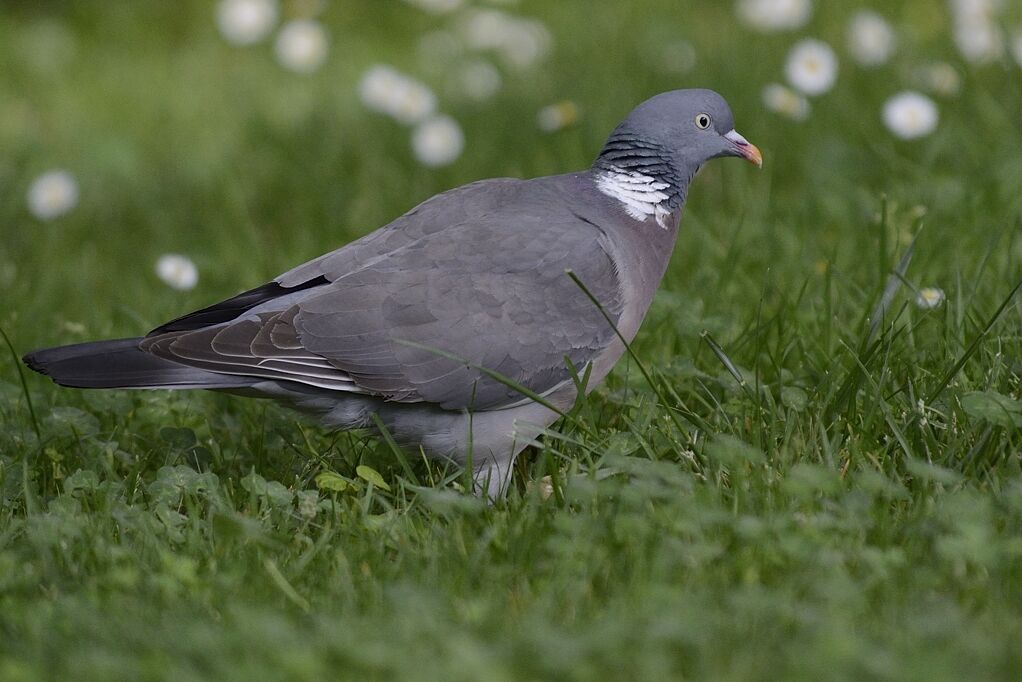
410	322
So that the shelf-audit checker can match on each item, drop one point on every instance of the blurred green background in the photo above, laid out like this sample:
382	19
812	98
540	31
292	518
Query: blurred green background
795	495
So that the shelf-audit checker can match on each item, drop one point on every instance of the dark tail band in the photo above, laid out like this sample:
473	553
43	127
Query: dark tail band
119	363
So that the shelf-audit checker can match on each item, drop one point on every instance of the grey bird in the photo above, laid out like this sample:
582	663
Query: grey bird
433	324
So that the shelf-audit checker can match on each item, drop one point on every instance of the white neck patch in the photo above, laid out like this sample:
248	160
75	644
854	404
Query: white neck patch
641	195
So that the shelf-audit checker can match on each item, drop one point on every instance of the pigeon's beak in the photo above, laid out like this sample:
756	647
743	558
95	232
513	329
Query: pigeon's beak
744	148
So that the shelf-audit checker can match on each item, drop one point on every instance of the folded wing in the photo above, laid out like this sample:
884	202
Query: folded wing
418	323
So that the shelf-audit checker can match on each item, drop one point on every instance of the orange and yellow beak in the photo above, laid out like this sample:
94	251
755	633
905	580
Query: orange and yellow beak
744	148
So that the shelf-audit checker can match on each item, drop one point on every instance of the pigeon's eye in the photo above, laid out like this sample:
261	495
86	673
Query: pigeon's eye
703	121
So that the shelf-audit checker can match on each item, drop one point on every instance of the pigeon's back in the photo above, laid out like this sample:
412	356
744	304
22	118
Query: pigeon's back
455	206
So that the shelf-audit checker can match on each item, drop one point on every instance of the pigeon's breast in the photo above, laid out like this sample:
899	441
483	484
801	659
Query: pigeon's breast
640	254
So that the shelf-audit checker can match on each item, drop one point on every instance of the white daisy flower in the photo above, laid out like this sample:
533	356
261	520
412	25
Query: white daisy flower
376	86
438	141
520	42
412	102
975	29
478	80
302	45
812	67
978	41
556	116
783	100
52	194
929	298
177	271
243	22
774	15
871	39
910	115
401	97
485	29
527	42
976	9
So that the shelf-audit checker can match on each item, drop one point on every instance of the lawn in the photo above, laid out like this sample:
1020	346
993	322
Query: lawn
811	469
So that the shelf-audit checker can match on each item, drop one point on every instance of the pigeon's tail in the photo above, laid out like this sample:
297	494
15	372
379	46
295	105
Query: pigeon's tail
120	364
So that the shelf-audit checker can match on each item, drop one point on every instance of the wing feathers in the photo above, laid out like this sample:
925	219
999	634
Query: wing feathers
230	309
228	349
471	279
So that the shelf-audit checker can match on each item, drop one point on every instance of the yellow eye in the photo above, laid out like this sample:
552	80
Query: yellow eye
703	121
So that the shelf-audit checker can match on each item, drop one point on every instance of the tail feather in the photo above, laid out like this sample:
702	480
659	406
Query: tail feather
119	363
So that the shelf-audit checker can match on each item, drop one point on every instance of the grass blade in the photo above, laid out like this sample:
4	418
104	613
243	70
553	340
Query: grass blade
974	346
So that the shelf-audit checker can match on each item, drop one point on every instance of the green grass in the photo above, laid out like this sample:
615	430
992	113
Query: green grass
793	496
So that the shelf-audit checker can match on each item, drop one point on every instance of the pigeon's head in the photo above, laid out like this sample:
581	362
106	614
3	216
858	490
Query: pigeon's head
687	127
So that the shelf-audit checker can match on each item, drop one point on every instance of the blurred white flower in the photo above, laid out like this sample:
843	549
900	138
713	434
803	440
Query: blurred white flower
929	298
527	42
976	9
485	29
910	115
871	39
437	6
556	116
978	41
413	102
391	92
520	42
1016	47
812	67
302	45
941	78
975	29
774	15
438	141
243	22
177	271
783	100
677	56
478	80
52	195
